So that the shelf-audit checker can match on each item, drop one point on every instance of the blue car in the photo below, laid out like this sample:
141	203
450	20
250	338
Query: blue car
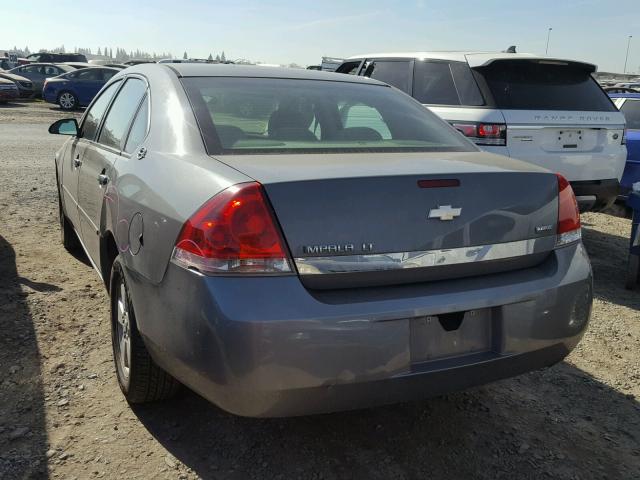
76	89
629	104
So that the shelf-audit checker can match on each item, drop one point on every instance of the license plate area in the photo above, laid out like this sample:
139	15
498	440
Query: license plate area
569	139
451	335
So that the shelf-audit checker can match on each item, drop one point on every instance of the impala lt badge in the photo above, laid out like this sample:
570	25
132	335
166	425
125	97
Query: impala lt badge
445	212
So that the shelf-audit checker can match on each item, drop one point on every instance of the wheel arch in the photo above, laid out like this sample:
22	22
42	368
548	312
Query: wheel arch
108	253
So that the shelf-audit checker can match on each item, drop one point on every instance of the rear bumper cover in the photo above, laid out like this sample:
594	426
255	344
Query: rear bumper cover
596	194
269	347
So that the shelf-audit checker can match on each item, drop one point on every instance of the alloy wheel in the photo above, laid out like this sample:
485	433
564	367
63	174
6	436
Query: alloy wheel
123	331
67	101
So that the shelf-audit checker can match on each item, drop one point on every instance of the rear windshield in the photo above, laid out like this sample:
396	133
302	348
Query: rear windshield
268	115
535	85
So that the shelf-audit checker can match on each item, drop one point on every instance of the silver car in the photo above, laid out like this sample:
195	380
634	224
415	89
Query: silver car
37	73
287	242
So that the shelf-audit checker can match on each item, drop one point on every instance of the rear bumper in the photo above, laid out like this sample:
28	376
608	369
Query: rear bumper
596	194
8	95
268	347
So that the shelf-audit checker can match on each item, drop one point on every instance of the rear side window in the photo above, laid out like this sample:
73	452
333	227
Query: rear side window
88	74
631	110
121	113
96	112
444	83
139	127
396	73
535	85
107	74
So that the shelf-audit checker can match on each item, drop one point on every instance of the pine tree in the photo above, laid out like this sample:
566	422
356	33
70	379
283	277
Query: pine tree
210	59
185	56
218	58
99	51
222	57
110	53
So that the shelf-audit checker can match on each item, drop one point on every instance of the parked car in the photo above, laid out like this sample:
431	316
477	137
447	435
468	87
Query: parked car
25	86
37	73
8	90
546	111
634	85
620	90
6	64
47	57
78	65
77	88
629	105
138	61
347	248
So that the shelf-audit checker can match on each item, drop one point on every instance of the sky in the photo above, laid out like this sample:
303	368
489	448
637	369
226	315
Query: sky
290	31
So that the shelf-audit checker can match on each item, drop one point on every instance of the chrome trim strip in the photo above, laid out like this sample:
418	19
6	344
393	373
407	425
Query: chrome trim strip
571	126
423	259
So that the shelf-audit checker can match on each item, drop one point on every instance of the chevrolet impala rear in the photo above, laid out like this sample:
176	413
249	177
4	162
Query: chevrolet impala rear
305	242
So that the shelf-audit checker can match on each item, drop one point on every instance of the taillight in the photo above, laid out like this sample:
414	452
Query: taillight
235	232
568	214
483	133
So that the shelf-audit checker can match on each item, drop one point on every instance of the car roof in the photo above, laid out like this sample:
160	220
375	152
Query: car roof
46	64
625	95
473	58
232	70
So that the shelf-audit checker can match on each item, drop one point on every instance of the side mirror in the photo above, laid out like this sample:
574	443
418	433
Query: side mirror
66	126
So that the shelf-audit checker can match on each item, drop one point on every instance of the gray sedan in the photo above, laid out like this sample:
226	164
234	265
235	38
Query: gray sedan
25	86
39	72
287	242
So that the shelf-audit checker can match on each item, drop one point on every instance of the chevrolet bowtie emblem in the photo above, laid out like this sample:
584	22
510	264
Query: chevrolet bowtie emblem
445	212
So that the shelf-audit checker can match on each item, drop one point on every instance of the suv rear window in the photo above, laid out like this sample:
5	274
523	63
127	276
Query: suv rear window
268	115
539	85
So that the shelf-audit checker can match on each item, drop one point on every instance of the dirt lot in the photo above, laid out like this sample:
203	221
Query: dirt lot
62	415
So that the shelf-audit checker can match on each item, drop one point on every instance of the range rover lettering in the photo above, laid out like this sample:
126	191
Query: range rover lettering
330	245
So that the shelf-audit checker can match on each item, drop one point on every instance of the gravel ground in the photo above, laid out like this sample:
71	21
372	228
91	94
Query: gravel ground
62	415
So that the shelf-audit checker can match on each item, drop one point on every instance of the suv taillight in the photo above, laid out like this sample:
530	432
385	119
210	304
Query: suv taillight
235	232
568	214
483	133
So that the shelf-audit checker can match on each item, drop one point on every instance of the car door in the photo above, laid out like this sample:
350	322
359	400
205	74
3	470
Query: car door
87	83
94	183
75	153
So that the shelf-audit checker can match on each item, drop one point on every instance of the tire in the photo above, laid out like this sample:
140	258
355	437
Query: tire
140	379
68	235
68	100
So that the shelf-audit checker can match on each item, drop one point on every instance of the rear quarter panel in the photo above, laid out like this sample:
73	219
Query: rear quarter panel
154	196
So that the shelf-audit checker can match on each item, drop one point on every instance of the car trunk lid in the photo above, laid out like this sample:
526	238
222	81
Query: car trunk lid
362	220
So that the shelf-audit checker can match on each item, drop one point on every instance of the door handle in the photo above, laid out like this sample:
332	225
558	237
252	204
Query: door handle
76	161
102	179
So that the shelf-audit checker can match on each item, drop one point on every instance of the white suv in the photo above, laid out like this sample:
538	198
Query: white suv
546	111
